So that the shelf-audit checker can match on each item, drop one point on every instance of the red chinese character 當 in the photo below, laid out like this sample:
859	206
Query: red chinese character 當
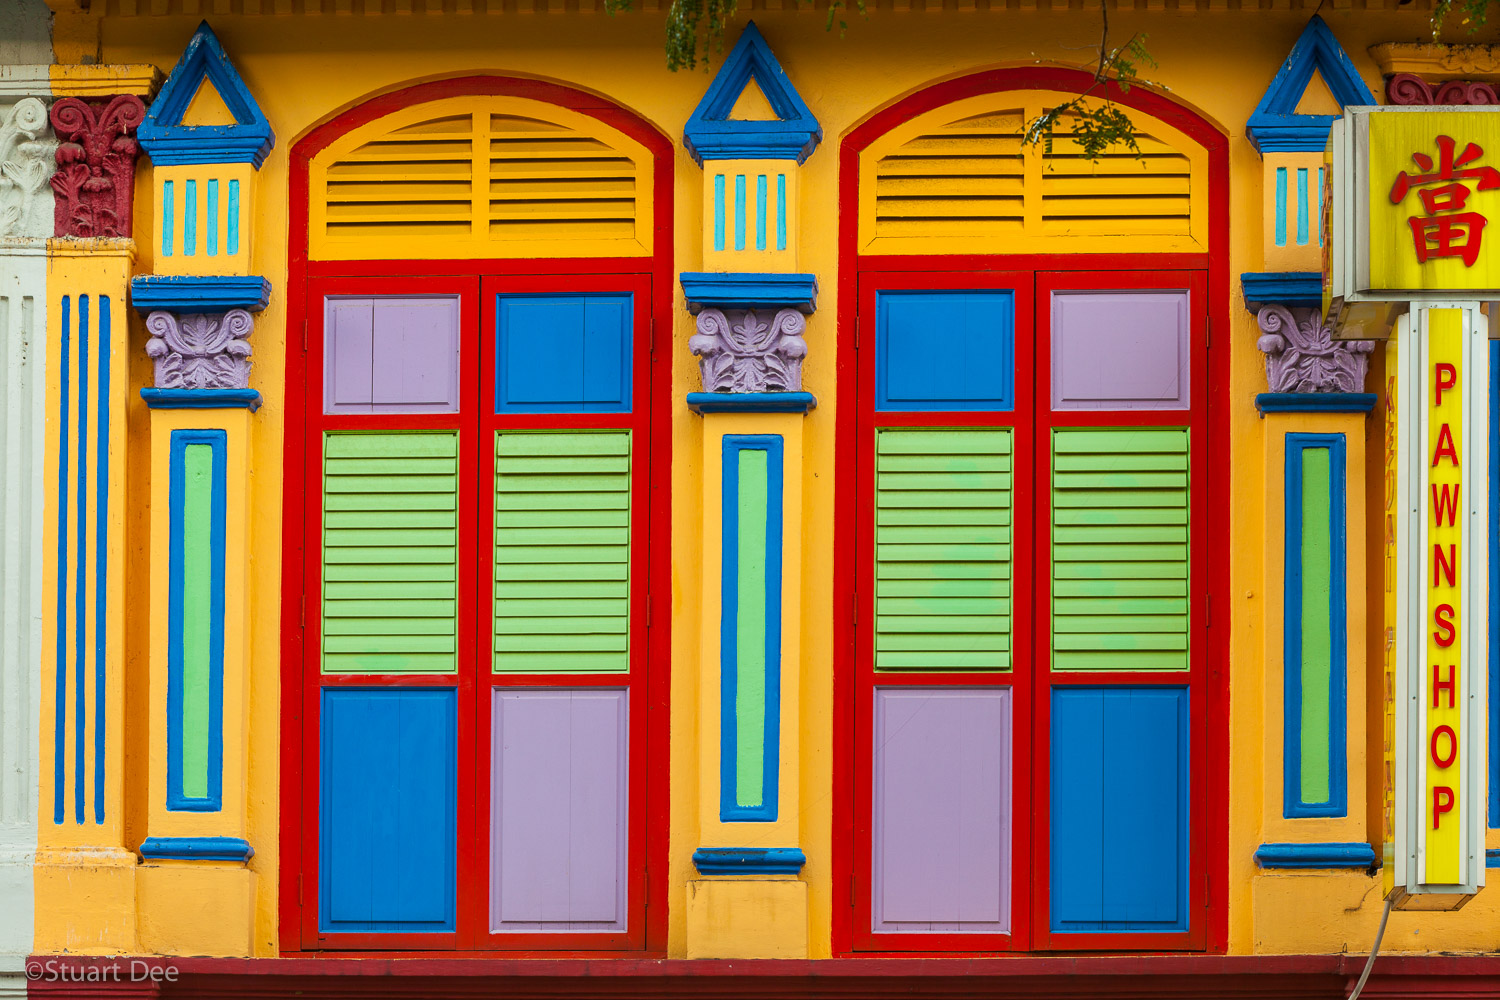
1447	230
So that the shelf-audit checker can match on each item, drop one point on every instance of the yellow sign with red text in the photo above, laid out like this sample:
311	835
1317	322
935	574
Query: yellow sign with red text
1443	799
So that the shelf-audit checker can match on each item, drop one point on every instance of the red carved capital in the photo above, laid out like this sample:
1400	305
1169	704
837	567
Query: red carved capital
1411	90
95	179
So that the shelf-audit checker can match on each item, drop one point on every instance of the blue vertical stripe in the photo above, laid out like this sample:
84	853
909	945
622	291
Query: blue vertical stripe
1281	206
218	441
739	211
1293	803
719	211
167	211
781	211
190	219
59	746
1303	206
760	212
101	556
80	597
729	808
233	245
213	218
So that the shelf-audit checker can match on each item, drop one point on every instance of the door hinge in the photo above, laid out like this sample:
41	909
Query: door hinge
302	612
304	336
854	609
1208	610
301	901
653	338
851	889
648	610
1208	333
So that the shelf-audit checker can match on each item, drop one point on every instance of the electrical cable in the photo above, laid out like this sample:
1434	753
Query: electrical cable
1370	962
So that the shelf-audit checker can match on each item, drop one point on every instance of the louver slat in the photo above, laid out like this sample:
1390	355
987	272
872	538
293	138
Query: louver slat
943	550
389	552
1120	549
562	552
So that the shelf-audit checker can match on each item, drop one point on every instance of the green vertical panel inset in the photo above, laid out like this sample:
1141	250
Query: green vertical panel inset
943	549
750	631
390	545
1317	627
562	551
197	592
1120	549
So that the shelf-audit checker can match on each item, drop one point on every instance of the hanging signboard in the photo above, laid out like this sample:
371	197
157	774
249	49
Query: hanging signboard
1437	530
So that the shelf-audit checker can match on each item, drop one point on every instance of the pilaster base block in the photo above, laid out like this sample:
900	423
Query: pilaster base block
189	908
86	901
15	917
747	918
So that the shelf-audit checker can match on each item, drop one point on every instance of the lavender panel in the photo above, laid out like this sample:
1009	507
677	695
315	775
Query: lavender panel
1120	350
392	354
942	818
558	828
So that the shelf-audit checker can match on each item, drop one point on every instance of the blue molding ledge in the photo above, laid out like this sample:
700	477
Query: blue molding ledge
1282	288
751	402
191	294
706	290
1327	855
196	849
748	860
1492	857
201	399
1314	402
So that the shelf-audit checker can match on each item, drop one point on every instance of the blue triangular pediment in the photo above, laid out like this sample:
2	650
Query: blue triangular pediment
1275	125
166	140
711	134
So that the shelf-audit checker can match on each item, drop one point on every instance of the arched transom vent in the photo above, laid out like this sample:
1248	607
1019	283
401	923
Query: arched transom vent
957	180
481	177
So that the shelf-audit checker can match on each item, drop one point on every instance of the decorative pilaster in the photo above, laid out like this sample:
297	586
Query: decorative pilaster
199	308
95	180
751	307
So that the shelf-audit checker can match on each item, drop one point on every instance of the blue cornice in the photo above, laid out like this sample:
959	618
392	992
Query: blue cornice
182	293
1327	855
1492	857
167	141
710	134
748	860
196	849
1315	402
751	402
201	399
1275	126
713	290
1282	288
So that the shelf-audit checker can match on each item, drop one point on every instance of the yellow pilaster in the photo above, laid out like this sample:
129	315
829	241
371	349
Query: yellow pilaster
85	876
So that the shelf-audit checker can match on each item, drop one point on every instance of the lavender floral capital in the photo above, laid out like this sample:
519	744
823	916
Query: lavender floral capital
1302	356
200	350
740	352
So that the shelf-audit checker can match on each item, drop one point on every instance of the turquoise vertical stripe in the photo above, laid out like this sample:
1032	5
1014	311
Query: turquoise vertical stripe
781	211
750	628
213	218
1281	206
1303	205
739	211
1320	206
719	212
760	212
232	247
168	209
190	219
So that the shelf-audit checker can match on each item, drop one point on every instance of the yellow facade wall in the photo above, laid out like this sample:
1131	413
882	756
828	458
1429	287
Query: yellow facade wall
340	60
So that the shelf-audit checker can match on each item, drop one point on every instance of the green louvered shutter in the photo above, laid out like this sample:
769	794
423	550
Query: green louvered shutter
390	508
562	551
1120	549
943	549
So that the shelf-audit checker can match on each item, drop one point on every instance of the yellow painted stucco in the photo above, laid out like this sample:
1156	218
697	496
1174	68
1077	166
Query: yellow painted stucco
305	69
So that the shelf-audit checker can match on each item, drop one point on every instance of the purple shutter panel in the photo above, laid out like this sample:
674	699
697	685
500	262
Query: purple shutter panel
392	354
942	823
1116	350
557	851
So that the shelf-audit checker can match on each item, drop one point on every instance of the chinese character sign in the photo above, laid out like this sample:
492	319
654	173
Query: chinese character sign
1433	187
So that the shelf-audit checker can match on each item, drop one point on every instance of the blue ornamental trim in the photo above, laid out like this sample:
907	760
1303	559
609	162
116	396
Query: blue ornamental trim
1282	288
1275	126
712	290
748	860
192	294
167	141
1327	855
196	849
710	134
